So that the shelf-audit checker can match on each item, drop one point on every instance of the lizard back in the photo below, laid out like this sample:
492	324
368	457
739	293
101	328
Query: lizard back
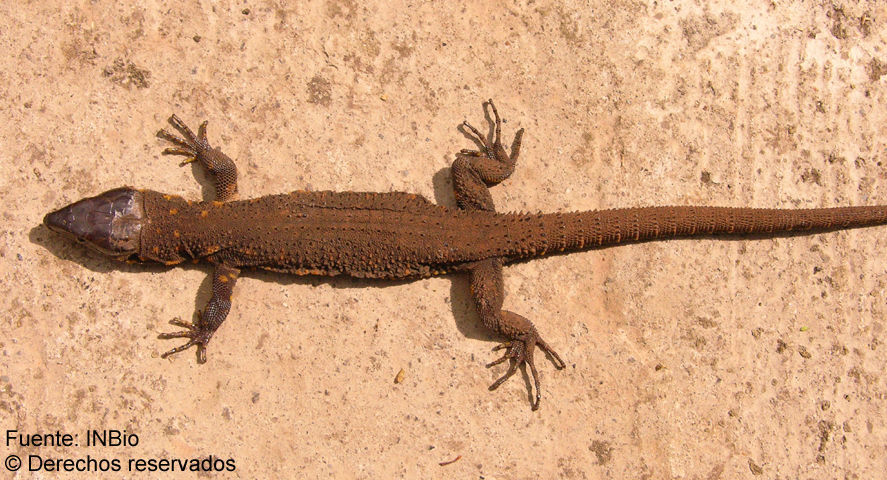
361	234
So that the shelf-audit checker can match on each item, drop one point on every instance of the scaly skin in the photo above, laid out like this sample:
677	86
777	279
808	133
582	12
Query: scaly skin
395	235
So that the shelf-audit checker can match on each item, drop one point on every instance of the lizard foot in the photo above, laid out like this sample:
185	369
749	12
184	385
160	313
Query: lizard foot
190	146
520	351
197	149
198	333
491	148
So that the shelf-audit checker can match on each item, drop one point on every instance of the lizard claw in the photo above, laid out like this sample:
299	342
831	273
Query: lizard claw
520	351
198	334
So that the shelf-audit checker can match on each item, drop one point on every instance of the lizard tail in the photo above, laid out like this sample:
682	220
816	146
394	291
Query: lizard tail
535	235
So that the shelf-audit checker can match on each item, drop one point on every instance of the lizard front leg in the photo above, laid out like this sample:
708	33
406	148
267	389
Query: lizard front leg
475	170
210	319
198	149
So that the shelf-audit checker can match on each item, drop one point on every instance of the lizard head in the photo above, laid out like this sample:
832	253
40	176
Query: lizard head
110	223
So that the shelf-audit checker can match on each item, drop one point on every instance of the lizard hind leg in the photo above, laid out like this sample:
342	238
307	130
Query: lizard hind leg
475	170
485	278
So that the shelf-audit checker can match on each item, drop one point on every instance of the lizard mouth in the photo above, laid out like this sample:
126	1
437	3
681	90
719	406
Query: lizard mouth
110	223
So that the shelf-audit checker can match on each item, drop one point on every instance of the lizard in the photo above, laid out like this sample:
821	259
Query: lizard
393	235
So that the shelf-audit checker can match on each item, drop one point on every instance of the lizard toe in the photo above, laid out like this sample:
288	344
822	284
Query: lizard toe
197	333
188	145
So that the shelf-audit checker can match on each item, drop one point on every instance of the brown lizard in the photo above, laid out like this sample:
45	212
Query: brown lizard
391	235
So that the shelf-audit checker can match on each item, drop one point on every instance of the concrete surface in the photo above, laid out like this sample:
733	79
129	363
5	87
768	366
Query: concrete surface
693	359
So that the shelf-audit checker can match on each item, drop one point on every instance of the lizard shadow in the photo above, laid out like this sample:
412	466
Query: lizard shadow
94	261
735	237
64	249
467	320
207	185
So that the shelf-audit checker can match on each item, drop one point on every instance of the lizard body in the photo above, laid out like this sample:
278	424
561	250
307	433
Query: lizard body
400	235
391	235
